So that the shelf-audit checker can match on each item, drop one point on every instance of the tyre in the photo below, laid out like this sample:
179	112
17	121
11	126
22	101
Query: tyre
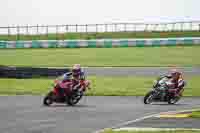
74	98
48	99
148	99
173	100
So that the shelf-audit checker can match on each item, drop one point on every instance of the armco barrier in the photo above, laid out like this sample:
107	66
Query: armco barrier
29	72
104	43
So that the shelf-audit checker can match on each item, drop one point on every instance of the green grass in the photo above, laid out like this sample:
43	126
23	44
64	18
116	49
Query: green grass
88	36
101	86
110	131
195	114
136	56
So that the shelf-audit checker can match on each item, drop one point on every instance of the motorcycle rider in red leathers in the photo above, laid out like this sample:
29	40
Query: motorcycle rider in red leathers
177	82
77	76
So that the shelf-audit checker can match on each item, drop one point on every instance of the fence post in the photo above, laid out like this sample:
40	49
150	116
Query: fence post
106	27
18	32
8	33
37	28
56	32
66	28
86	28
134	27
47	31
115	27
27	33
76	28
96	28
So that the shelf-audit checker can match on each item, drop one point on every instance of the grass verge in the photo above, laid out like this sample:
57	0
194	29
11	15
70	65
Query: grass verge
101	86
195	114
110	35
136	56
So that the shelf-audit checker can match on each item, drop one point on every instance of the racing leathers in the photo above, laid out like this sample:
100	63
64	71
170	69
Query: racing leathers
76	81
174	85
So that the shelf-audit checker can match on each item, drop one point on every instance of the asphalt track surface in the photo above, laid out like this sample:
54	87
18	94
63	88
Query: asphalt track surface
138	71
26	114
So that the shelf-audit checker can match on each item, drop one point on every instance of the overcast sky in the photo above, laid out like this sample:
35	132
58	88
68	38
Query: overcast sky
23	12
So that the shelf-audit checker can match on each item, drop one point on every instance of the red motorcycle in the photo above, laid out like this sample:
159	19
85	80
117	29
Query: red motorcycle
70	97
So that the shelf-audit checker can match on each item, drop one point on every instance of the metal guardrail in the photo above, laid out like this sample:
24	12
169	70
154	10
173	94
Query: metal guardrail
96	28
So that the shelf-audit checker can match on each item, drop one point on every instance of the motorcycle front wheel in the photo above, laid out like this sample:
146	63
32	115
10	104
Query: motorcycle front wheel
148	99
47	101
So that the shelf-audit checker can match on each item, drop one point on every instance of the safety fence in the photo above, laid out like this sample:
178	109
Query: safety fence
100	43
29	30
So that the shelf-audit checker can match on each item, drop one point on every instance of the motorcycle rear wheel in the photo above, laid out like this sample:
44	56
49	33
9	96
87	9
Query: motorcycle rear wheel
173	100
73	100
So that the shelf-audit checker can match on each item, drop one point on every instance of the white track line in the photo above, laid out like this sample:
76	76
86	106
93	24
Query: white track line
143	118
155	129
